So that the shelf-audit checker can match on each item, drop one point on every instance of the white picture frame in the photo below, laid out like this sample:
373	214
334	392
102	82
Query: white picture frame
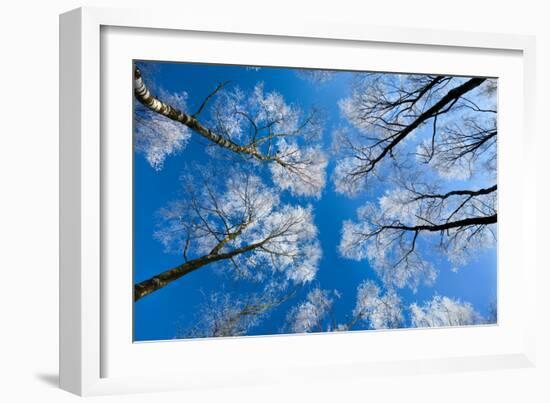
94	323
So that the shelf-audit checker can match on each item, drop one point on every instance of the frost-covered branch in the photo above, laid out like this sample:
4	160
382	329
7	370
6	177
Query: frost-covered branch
444	311
377	310
315	76
458	223
311	314
463	146
380	308
454	131
258	126
238	221
224	314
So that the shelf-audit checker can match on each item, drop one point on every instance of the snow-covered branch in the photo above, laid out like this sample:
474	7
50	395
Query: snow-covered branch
379	311
225	314
259	125
452	119
309	315
240	222
444	311
388	233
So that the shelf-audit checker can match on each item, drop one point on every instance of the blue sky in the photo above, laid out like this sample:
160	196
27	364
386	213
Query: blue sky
164	313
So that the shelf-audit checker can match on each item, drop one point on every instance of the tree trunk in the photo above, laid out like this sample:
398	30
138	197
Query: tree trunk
143	95
155	283
450	98
160	280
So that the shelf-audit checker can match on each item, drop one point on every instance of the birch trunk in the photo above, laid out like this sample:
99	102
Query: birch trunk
144	96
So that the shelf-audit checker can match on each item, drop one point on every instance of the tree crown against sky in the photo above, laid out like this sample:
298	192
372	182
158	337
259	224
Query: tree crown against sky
256	125
411	163
432	140
241	213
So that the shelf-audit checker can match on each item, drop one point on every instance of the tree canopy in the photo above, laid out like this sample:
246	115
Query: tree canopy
313	200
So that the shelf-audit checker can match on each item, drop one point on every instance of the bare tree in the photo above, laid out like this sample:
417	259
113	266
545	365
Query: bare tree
458	224
313	314
239	222
390	114
227	315
374	309
444	311
452	119
315	76
377	310
258	126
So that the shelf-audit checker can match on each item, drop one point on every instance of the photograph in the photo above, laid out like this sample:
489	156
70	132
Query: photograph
275	200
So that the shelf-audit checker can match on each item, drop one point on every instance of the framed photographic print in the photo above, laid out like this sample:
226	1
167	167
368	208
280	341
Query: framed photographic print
283	207
236	199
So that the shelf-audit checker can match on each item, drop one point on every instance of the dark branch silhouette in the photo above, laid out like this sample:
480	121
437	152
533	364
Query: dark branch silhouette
440	107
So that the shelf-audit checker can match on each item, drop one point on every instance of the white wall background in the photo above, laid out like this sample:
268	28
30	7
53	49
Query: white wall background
29	200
